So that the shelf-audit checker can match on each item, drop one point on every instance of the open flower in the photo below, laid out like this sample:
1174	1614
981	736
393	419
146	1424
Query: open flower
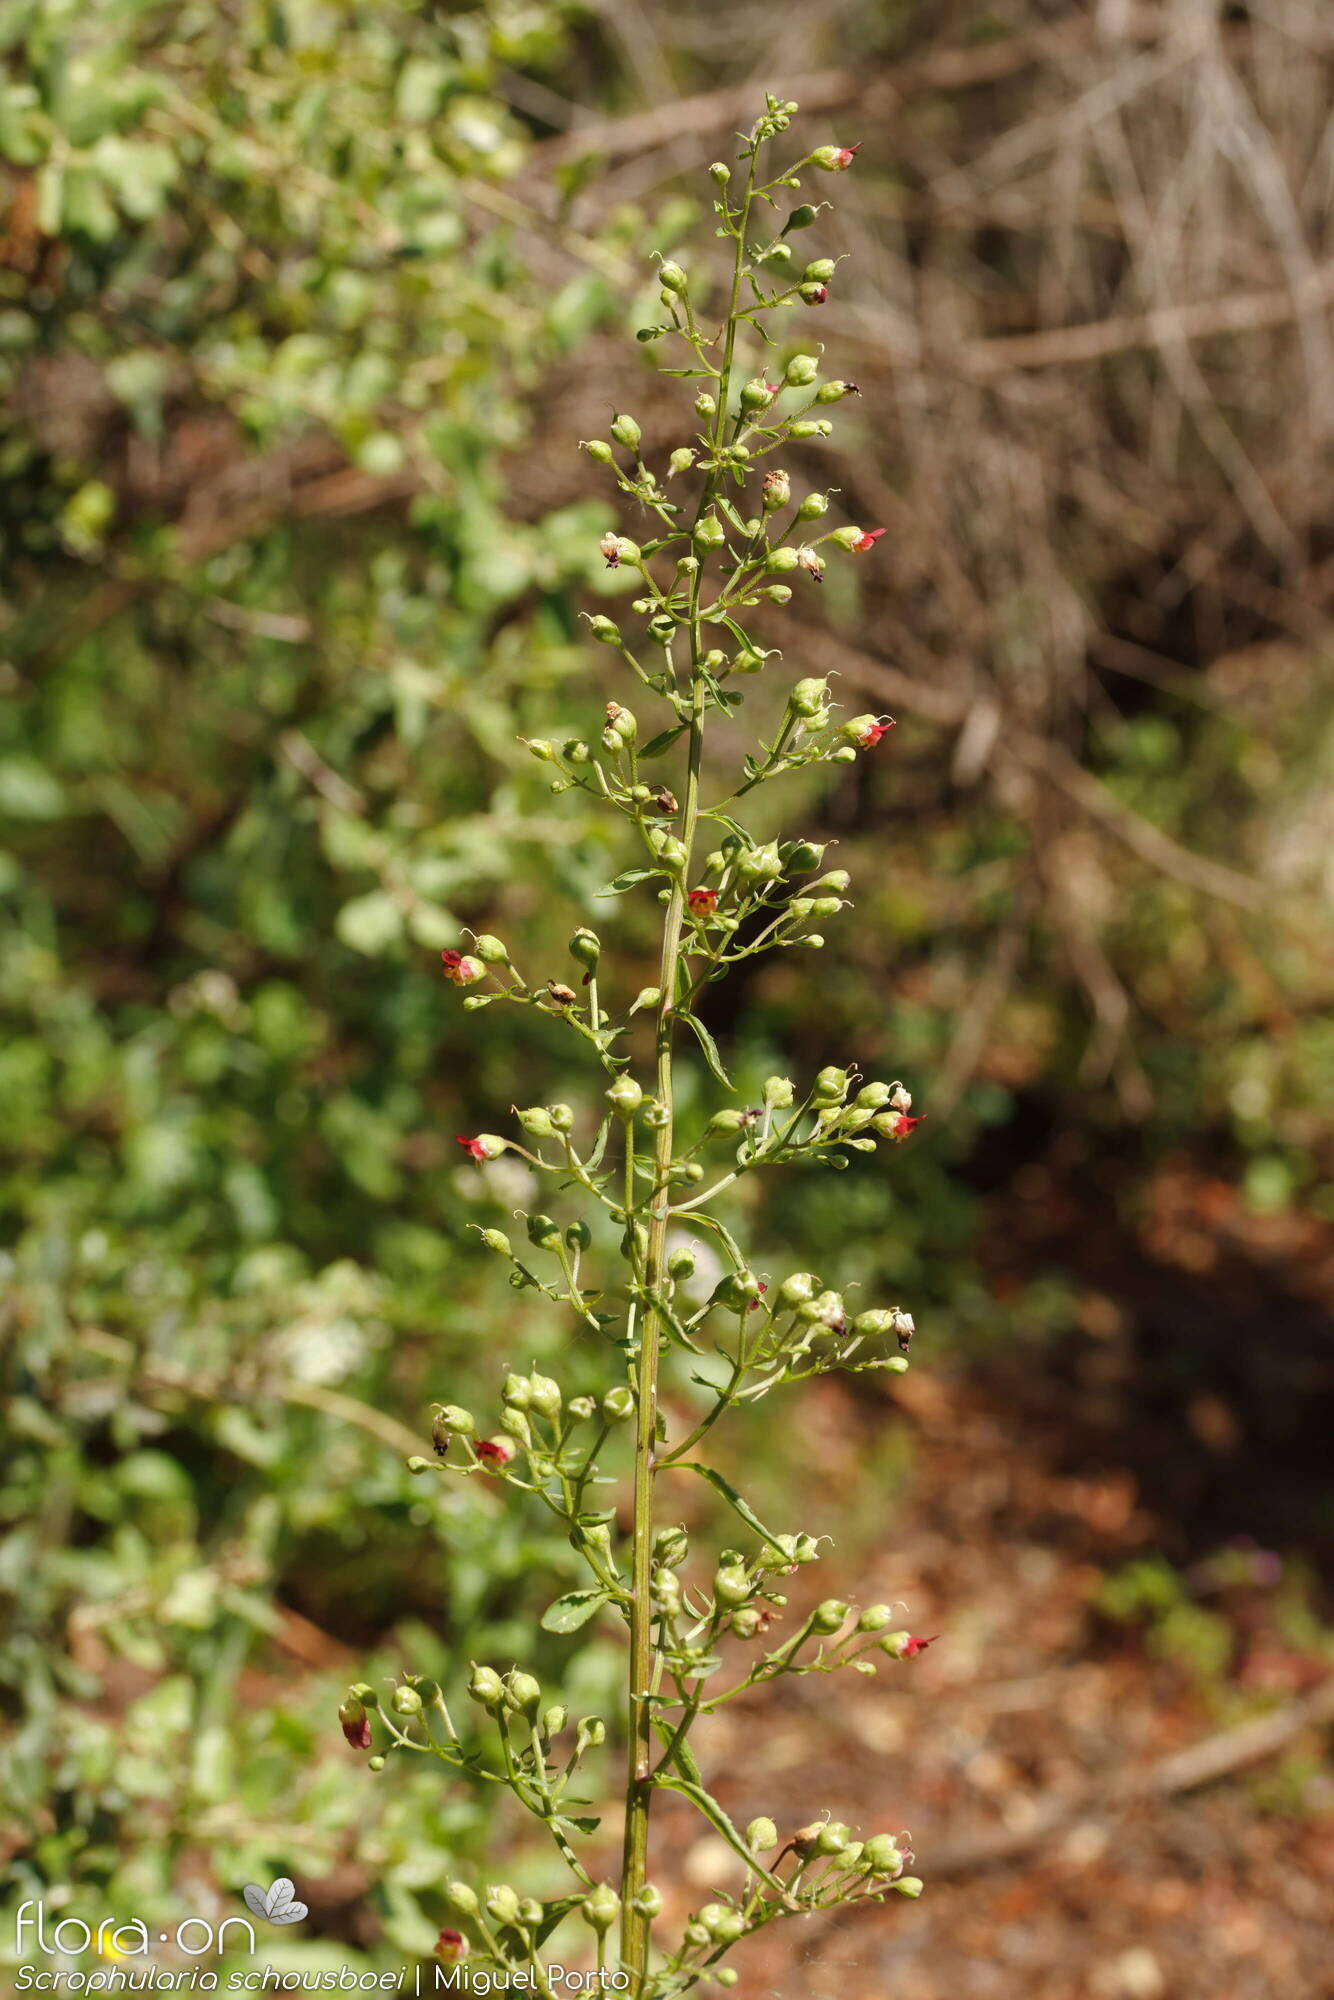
836	159
866	731
451	1946
461	970
866	540
702	902
610	546
486	1146
494	1454
898	1125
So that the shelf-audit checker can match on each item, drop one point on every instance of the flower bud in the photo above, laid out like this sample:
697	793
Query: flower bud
605	629
827	1617
672	278
732	1586
486	1687
875	1618
831	1087
647	998
782	560
777	490
832	1839
517	1391
720	172
681	460
910	1886
523	1693
536	1121
618	1404
798	1289
728	1122
671	1546
544	1395
812	507
761	1835
600	451
451	1947
580	1408
778	1092
759	864
355	1724
626	432
802	216
705	406
756	394
375	1763
801	371
819	272
665	1591
648	1903
516	1423
746	1622
461	1898
834	392
406	1701
809	696
502	1905
710	533
600	1907
590	1735
586	946
555	1719
543	1234
491	950
620	724
625	1097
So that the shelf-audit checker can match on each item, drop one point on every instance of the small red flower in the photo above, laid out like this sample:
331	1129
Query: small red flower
451	1946
355	1725
913	1646
494	1453
867	540
486	1146
901	1126
755	1303
702	902
814	295
871	735
461	970
847	154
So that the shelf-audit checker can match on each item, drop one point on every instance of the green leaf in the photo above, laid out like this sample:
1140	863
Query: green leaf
710	1048
664	740
568	1613
705	1803
630	879
734	1500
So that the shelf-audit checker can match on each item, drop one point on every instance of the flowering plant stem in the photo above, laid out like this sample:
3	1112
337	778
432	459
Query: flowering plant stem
709	566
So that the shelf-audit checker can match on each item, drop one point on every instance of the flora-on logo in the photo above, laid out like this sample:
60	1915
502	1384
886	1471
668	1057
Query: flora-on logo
276	1904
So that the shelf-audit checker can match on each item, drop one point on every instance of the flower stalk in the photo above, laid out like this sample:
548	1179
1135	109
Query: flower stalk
693	1643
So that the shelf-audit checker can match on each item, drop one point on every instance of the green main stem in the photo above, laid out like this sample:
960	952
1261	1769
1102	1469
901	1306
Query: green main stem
635	1925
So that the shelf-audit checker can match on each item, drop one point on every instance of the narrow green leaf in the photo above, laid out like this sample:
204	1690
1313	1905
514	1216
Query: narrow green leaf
709	1046
734	1500
630	879
664	740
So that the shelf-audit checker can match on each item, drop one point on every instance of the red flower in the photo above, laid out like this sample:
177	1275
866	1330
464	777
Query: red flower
901	1126
494	1453
867	540
355	1725
460	970
702	901
486	1146
814	295
912	1646
846	156
871	735
451	1946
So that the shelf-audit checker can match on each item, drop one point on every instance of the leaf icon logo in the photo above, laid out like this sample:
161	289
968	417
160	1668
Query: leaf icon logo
277	1904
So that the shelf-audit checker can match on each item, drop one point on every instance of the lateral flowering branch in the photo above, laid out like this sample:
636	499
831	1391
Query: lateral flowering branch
724	532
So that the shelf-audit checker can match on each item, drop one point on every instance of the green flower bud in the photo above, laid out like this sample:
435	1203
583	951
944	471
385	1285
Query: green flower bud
759	864
728	1122
681	1263
705	406
665	1591
798	1289
647	998
827	1617
580	1408
626	432
834	392
599	451
502	1905
544	1395
732	1586
648	1903
831	1087
761	1836
672	278
486	1687
710	533
456	1421
812	507
777	593
543	1233
625	1097
777	490
586	946
801	218
590	1735
820	272
541	749
726	1975
536	1121
671	1546
782	560
600	1907
875	1618
880	1854
837	882
809	696
461	1899
756	394
516	1423
910	1886
832	1839
746	1622
681	460
727	1927
618	1404
779	1092
375	1763
406	1701
605	630
801	371
517	1390
720	172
